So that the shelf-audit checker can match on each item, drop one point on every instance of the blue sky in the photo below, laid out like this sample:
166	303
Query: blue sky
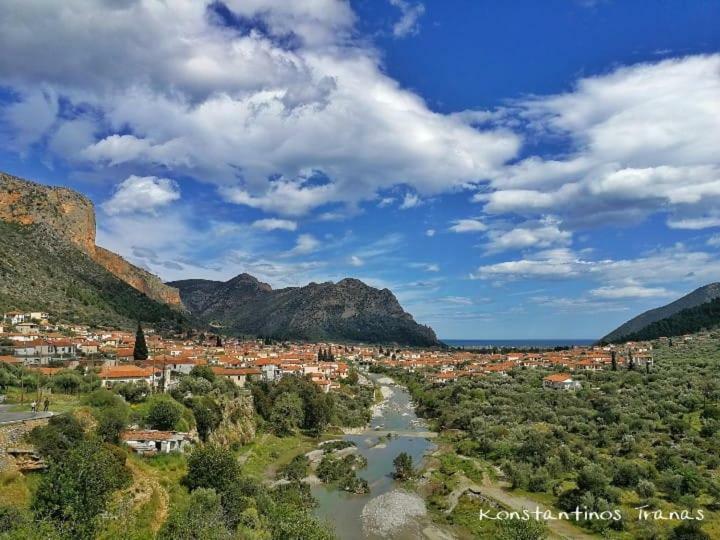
513	169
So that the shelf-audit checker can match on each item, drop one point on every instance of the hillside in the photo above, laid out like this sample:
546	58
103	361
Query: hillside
348	310
72	216
41	271
691	313
687	321
697	297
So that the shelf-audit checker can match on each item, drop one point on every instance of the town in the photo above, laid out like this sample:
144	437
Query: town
46	349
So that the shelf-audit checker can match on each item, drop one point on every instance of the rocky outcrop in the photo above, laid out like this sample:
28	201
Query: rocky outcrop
62	209
136	277
238	422
72	216
348	310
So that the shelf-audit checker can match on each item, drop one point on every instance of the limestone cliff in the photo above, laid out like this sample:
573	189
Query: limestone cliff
238	422
72	216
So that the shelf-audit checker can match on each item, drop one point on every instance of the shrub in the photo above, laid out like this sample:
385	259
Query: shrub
164	413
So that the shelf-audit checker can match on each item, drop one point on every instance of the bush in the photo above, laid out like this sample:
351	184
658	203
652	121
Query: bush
164	413
111	423
61	433
78	485
200	518
211	466
403	464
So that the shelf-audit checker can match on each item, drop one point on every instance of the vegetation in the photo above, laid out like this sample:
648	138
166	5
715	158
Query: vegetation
403	464
626	439
687	321
61	279
140	350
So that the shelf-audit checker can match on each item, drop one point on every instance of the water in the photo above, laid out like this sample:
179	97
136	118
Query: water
344	510
518	343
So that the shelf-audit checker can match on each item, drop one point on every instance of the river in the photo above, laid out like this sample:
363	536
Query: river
388	511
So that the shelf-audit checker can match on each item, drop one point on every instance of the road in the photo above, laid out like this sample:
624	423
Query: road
7	416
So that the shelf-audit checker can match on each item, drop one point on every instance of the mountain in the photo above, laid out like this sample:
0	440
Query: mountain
679	317
42	271
72	217
348	310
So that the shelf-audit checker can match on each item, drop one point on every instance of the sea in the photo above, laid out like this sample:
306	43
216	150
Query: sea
517	343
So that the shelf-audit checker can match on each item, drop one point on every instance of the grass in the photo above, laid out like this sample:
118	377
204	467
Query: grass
59	403
14	489
263	456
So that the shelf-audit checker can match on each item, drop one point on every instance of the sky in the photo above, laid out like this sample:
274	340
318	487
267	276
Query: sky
514	169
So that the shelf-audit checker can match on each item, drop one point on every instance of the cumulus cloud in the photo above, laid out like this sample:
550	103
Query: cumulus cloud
411	200
356	261
430	233
274	224
409	22
306	243
261	110
468	225
643	139
543	234
141	194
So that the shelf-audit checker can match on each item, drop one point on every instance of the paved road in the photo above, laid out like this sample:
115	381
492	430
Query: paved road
7	416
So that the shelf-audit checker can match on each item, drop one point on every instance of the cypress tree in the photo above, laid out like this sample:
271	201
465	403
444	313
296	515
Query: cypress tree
614	361
631	362
140	352
218	342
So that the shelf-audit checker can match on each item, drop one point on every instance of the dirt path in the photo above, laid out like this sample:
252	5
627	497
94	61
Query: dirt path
145	485
497	491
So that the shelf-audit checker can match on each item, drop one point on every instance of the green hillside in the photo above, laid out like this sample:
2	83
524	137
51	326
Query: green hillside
687	321
40	271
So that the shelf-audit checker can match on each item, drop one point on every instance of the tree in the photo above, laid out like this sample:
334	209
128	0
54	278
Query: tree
614	360
211	466
218	341
516	529
200	519
688	530
77	487
111	423
403	464
61	434
287	414
631	362
205	372
164	413
140	352
207	415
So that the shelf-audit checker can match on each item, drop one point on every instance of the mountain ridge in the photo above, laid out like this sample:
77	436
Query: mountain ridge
348	310
694	299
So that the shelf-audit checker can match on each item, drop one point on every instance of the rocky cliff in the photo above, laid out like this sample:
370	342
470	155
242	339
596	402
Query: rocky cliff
348	310
72	216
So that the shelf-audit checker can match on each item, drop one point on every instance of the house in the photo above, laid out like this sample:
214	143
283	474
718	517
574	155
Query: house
110	375
238	375
561	381
152	441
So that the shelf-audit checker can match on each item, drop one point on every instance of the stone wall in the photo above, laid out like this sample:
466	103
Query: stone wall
12	435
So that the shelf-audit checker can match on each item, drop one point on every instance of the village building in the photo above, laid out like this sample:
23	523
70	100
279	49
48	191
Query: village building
561	381
150	442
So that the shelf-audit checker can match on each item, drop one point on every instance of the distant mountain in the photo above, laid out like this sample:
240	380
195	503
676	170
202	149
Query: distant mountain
42	271
348	310
691	313
71	216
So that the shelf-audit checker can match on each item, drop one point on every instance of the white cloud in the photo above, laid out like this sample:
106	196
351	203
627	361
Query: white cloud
629	291
306	243
356	261
175	89
543	234
428	267
714	240
141	194
645	141
273	224
411	200
550	264
468	225
430	233
408	24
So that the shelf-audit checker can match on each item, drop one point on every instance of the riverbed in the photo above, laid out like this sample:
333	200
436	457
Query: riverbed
388	511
